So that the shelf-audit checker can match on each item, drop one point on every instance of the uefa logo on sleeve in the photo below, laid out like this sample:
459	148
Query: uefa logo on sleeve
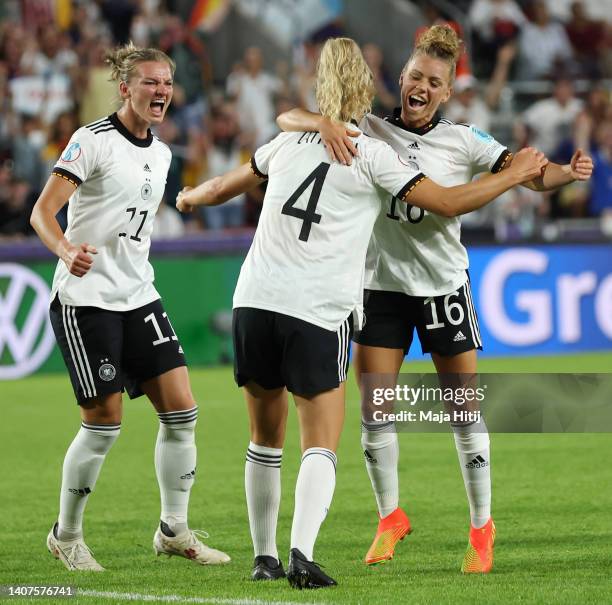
71	153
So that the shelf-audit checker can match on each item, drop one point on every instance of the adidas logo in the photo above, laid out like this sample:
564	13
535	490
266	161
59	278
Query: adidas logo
146	168
190	475
369	457
459	336
477	462
414	145
80	492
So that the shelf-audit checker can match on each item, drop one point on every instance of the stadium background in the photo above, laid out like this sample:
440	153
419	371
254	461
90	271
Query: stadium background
540	264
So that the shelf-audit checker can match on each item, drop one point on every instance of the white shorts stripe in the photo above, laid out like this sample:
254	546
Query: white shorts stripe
343	334
87	390
342	349
476	324
339	335
84	352
475	315
472	314
75	363
347	348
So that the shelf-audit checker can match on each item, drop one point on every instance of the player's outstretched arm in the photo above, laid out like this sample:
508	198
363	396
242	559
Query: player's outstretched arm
454	201
54	196
335	135
580	168
219	189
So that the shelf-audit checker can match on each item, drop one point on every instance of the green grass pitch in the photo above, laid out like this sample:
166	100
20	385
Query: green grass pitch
552	499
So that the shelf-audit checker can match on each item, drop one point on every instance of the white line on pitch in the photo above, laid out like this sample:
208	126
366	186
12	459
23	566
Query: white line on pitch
174	598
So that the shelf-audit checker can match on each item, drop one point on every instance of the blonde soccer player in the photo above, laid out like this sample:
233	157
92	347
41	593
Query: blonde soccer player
108	319
300	291
416	277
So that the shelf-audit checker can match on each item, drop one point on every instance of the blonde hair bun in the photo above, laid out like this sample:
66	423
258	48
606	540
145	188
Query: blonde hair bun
440	41
124	59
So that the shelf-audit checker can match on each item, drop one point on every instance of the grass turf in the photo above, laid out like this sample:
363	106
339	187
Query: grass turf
552	505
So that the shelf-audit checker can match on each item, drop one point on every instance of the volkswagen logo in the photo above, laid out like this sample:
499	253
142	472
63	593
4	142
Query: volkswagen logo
26	335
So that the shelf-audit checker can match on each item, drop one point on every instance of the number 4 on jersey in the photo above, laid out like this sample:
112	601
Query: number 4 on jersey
308	216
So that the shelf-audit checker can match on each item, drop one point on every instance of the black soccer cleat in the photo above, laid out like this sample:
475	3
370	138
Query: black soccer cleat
302	573
267	568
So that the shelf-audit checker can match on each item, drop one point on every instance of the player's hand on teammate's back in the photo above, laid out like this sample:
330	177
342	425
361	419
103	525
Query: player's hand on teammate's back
181	202
78	259
581	166
337	140
529	163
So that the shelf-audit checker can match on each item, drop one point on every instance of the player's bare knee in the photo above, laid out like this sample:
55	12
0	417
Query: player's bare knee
107	409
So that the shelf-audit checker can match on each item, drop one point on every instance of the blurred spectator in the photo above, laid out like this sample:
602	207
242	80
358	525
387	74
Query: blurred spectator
303	82
516	214
434	16
601	189
501	72
546	120
544	48
61	131
254	90
496	20
13	44
119	14
193	70
27	152
98	95
494	23
386	91
562	9
51	56
588	40
16	202
597	110
466	106
224	153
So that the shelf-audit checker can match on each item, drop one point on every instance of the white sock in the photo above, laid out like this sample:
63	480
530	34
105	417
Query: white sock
381	452
262	484
175	465
314	491
472	443
82	465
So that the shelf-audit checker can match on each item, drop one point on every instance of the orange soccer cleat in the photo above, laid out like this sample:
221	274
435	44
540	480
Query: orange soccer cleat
391	529
479	555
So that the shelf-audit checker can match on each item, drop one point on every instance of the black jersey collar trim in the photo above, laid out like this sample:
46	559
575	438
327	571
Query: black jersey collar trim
396	120
119	125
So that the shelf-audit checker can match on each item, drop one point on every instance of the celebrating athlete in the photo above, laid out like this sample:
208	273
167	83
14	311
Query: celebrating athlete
416	276
107	316
300	289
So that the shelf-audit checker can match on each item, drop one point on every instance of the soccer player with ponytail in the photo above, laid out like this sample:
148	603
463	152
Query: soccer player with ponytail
300	293
107	315
416	266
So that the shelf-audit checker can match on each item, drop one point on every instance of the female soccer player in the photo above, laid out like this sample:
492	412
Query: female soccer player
300	288
107	316
417	270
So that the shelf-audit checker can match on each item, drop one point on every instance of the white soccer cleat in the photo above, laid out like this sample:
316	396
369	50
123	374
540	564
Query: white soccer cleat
74	554
189	546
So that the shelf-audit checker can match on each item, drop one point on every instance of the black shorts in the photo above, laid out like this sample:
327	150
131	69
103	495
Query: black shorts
446	325
113	351
276	350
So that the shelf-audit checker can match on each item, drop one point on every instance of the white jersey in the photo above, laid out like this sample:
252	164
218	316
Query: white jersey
120	182
413	251
307	258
